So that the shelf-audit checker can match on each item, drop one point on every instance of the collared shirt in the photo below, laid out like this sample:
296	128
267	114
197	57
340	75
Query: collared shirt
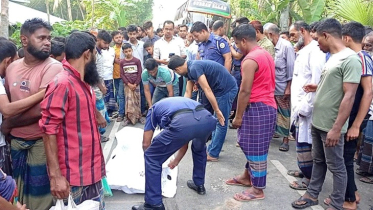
284	61
108	64
192	51
152	40
214	49
266	44
219	79
160	113
164	77
100	63
68	111
116	70
163	48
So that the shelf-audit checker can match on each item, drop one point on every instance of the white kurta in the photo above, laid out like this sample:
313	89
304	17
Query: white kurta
307	70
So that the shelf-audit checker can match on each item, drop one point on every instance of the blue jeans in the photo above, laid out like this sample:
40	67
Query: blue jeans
218	136
119	95
162	92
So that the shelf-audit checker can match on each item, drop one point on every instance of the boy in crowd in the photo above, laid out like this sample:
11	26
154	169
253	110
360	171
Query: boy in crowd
57	50
149	48
130	72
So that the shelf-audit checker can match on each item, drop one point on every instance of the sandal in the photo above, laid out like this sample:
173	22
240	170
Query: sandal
125	122
295	173
368	180
119	119
246	197
308	203
327	201
360	172
284	147
301	184
142	121
234	181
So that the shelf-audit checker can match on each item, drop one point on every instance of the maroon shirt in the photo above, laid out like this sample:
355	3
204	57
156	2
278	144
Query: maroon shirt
130	71
68	111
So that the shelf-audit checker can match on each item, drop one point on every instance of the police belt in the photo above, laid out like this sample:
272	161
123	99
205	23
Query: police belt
181	111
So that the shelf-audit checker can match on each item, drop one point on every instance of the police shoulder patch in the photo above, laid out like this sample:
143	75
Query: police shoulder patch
222	45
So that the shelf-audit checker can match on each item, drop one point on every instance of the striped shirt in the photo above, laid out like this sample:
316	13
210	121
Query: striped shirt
68	111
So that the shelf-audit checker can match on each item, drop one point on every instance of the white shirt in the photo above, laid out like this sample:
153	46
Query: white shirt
108	63
162	48
308	66
2	92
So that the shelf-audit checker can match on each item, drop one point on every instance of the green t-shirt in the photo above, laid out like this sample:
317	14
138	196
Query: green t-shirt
164	77
342	67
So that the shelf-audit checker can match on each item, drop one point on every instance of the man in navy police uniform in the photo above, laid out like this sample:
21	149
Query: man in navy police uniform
182	120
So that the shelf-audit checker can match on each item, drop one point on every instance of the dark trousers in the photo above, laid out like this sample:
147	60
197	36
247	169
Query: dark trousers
142	93
171	139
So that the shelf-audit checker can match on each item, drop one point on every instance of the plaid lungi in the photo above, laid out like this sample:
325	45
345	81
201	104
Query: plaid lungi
30	172
109	97
365	159
133	104
91	192
283	115
254	136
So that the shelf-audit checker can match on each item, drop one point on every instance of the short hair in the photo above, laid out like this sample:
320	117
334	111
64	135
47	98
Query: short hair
198	27
286	33
330	26
217	24
168	22
73	31
141	29
313	26
159	30
233	24
368	30
57	48
301	24
244	31
122	29
354	30
147	25
104	35
175	62
257	25
114	33
126	46
150	64
272	28
59	39
31	25
132	28
242	20
77	43
21	52
125	35
7	49
148	44
3	38
184	26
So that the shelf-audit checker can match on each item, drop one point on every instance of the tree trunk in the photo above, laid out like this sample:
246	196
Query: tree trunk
93	12
284	19
81	9
48	12
69	10
4	24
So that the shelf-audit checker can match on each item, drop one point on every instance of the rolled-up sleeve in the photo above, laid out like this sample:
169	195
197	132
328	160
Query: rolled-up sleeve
290	58
53	108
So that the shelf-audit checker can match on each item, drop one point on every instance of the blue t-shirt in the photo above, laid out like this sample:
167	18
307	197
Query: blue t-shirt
367	69
214	49
237	63
219	79
161	112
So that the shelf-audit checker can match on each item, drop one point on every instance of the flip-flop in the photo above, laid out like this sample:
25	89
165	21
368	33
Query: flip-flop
295	172
301	184
235	182
245	197
367	180
327	201
284	147
308	203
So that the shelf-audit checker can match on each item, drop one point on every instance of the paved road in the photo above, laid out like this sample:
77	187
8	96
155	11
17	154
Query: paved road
220	196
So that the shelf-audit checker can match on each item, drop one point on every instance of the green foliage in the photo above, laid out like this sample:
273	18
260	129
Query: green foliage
355	10
312	10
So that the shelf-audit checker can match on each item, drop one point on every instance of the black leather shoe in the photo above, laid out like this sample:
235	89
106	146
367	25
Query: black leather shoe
146	206
199	189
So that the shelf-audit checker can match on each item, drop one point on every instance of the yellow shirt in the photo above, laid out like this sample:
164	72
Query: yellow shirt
116	70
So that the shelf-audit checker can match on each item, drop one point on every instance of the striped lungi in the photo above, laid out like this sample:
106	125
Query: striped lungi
109	97
30	173
91	192
283	115
365	160
100	105
133	104
254	136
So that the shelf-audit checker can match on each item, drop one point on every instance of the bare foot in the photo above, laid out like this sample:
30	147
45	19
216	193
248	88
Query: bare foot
349	205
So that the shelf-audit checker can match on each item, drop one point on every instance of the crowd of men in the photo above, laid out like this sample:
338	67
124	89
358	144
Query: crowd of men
312	83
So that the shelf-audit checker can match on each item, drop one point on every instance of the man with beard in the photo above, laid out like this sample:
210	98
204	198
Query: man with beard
368	43
69	123
24	78
307	69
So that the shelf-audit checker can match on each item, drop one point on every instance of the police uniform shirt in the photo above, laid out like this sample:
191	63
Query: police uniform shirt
214	49
160	114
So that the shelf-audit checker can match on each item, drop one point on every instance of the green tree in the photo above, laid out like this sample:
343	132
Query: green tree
355	10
